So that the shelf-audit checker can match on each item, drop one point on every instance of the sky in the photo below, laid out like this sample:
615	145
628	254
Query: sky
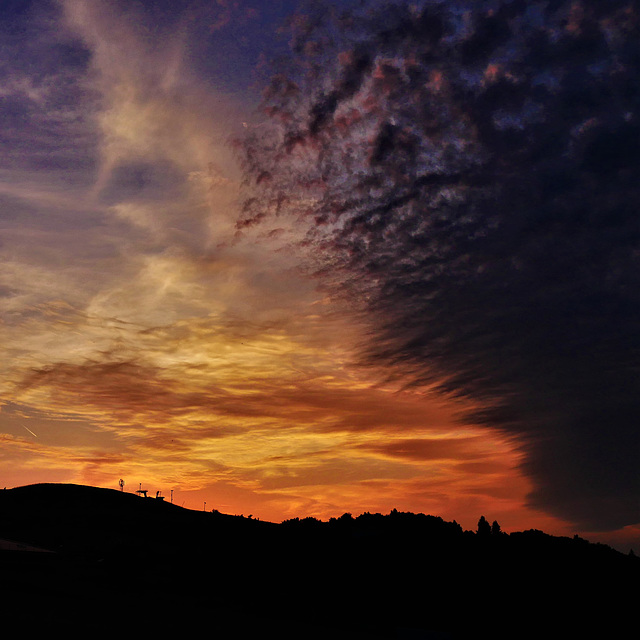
402	274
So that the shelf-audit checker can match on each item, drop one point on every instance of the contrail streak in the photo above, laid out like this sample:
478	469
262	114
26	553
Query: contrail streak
31	432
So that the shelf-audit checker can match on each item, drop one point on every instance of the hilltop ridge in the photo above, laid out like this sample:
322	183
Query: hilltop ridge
365	576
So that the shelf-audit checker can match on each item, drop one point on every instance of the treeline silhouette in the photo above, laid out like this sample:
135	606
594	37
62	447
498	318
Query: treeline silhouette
122	562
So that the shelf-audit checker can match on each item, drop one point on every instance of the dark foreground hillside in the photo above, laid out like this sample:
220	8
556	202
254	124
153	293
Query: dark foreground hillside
117	563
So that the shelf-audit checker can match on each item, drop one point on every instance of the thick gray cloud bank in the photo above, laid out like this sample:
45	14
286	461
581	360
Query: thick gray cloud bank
470	173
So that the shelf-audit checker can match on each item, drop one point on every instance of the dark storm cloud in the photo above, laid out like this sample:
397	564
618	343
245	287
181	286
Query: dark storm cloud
470	172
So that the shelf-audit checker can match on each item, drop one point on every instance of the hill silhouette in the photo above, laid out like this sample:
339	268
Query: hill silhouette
116	562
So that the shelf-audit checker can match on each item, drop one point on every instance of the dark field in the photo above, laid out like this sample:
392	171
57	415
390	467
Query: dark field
118	563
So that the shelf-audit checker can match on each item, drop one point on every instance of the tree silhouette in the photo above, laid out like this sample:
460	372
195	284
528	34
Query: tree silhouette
484	528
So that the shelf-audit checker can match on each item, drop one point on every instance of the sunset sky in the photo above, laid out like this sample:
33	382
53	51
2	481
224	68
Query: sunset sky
147	334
